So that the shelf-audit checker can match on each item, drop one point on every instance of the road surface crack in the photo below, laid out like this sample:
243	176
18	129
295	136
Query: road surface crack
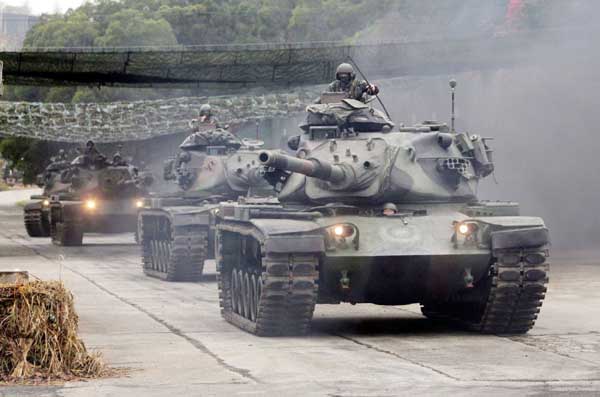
391	353
244	373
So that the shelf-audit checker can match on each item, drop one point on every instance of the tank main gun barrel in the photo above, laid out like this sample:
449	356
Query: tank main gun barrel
314	168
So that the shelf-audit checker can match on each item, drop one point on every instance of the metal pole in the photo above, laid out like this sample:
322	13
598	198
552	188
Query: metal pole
453	87
365	77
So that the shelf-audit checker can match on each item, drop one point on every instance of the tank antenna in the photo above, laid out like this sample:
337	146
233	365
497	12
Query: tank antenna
453	87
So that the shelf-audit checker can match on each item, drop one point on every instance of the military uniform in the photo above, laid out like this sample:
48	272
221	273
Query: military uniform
206	118
345	81
356	89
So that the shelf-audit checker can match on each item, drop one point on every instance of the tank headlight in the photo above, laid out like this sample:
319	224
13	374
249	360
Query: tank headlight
466	233
464	228
343	230
90	204
139	203
342	236
46	203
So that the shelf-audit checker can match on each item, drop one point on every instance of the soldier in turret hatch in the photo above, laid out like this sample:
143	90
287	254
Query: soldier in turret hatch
345	81
92	156
205	118
118	160
90	151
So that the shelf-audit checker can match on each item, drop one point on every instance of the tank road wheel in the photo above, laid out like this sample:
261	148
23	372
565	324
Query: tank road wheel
267	294
68	234
508	301
35	224
172	254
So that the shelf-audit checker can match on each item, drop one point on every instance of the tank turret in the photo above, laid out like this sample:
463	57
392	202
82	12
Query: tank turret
216	162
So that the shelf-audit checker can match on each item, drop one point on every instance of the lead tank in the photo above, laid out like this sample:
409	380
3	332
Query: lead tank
177	231
36	212
389	217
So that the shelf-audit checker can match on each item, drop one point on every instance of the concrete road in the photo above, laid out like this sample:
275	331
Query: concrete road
175	342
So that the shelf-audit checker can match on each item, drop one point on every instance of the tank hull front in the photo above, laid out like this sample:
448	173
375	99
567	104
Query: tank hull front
106	216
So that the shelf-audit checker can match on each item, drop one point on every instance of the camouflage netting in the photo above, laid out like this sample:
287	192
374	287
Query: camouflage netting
38	338
262	65
130	121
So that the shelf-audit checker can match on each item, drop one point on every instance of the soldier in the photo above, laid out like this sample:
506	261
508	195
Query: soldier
90	151
206	117
62	155
118	160
389	209
345	81
92	156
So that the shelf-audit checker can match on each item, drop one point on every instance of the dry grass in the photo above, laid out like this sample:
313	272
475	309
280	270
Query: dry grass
38	336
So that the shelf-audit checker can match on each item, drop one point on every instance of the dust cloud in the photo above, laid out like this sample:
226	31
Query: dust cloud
544	117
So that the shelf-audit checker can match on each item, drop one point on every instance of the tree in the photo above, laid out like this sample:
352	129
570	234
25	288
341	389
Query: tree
129	28
28	155
71	30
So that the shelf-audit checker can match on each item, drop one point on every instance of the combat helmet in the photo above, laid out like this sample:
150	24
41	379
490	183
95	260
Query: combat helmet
205	110
345	68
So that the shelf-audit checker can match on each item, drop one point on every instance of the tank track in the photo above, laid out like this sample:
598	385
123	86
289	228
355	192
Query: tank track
67	234
35	225
177	257
516	287
283	293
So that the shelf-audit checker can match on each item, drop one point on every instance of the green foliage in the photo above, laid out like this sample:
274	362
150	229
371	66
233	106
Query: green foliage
71	30
316	20
27	155
128	28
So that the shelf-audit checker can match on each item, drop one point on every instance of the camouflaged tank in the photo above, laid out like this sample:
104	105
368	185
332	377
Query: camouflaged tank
177	231
36	213
103	197
374	214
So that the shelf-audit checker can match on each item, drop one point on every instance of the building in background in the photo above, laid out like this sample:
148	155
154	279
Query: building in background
15	22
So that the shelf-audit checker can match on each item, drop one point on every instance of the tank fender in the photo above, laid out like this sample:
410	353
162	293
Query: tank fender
520	238
290	235
33	206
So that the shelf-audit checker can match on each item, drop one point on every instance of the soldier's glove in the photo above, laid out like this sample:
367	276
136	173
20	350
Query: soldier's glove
372	89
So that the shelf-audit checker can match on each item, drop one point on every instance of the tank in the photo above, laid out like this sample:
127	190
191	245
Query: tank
102	197
177	231
388	216
36	212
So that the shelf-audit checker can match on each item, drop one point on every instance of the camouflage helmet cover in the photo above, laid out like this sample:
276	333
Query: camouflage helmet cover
344	68
205	109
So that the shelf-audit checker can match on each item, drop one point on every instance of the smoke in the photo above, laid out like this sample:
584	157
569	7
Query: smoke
544	116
